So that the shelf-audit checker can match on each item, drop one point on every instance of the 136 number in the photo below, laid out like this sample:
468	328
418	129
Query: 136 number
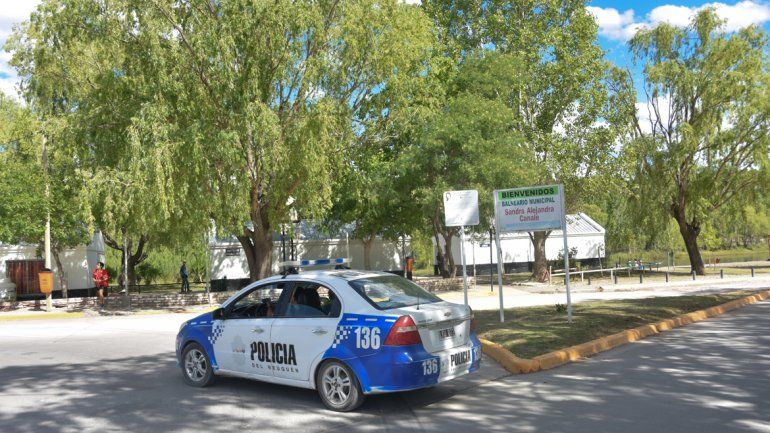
429	366
367	338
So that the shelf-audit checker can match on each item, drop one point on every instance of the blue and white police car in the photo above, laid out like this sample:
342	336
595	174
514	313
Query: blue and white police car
345	333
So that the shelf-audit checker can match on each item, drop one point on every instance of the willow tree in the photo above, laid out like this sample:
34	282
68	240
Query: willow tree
85	67
569	103
706	138
35	187
218	110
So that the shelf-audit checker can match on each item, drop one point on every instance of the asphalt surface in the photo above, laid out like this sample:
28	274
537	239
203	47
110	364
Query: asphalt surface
118	374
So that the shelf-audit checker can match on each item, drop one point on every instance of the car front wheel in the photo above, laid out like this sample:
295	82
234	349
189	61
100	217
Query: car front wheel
196	366
338	387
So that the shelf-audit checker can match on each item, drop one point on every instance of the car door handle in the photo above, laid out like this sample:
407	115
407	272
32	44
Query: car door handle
258	330
319	331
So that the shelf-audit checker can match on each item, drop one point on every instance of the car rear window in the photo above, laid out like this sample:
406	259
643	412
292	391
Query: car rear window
390	291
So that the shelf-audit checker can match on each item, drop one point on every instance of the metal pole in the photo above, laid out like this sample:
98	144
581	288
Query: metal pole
462	256
47	240
500	275
721	273
566	255
491	261
473	249
125	264
693	275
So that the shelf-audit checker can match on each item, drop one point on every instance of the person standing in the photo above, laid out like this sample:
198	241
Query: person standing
101	277
183	274
409	267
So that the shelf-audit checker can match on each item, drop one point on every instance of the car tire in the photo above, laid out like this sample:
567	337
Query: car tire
196	366
338	387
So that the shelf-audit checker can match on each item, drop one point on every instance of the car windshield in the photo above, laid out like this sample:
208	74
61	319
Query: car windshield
391	291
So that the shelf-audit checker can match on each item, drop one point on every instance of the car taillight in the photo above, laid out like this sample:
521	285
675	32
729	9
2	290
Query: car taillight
403	333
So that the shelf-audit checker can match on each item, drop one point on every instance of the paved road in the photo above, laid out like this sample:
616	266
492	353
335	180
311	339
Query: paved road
713	376
118	374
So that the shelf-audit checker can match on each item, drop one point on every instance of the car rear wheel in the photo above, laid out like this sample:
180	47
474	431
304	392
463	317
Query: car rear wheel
196	366
338	387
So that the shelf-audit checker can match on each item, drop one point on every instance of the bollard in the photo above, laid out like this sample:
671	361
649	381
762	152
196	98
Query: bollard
589	280
629	272
752	272
641	278
693	275
581	277
667	277
616	278
722	274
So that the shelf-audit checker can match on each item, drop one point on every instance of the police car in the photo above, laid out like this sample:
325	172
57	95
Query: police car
345	333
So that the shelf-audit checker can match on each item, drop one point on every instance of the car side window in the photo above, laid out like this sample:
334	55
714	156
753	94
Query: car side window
312	300
259	302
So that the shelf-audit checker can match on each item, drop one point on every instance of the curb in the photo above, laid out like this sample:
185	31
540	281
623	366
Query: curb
517	365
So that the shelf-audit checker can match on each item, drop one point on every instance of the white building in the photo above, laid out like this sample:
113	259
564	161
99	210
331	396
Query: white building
227	259
77	263
584	235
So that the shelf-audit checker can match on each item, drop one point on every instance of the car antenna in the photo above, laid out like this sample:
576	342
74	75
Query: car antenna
418	299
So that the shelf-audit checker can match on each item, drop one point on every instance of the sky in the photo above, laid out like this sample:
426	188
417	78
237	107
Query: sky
617	19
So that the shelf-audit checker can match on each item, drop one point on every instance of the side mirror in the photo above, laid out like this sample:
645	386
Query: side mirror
218	314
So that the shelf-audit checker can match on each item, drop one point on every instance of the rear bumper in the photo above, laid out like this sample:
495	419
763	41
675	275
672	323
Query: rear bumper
411	367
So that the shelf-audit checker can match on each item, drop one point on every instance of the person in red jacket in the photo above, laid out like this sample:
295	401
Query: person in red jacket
101	276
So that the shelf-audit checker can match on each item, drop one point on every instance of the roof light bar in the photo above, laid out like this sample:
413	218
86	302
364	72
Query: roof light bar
316	262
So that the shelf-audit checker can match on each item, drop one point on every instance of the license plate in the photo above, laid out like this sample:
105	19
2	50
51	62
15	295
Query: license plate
446	333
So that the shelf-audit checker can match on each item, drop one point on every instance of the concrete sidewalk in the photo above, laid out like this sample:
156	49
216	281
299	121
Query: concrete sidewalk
516	296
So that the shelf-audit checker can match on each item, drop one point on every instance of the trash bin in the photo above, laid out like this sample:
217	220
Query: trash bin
45	278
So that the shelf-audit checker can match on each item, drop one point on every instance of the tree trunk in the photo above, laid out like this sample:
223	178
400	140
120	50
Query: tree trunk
540	266
63	282
449	271
258	247
134	258
367	241
690	232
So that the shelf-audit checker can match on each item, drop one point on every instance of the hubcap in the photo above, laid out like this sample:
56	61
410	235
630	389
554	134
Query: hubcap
336	385
195	365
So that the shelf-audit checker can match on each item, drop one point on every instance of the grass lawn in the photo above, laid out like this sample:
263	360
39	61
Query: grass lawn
533	331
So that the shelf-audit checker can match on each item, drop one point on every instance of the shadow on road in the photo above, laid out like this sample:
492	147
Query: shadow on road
710	377
147	393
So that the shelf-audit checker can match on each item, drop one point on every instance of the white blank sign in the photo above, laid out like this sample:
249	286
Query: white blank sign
461	208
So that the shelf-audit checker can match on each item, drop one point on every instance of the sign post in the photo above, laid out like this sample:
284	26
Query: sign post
566	255
530	209
461	208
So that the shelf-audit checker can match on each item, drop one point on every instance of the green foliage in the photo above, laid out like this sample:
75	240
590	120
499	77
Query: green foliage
710	146
23	179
